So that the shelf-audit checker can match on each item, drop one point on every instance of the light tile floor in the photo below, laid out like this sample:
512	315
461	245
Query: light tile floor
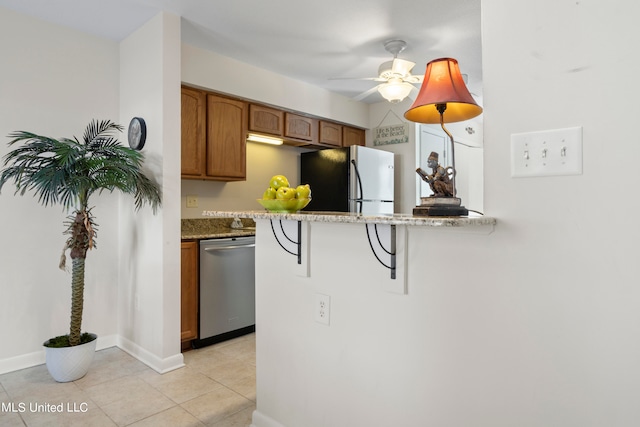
217	388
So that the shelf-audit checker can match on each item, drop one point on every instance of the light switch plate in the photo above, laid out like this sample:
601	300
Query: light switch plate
547	153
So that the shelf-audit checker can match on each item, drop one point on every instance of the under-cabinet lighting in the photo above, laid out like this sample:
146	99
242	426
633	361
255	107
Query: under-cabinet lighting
252	137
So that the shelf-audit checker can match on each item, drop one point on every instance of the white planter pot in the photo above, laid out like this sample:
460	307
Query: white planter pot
70	363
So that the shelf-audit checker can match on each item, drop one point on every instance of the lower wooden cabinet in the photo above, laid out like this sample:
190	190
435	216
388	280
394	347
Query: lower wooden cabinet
189	290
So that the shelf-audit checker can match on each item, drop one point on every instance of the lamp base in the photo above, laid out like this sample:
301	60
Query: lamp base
440	211
440	206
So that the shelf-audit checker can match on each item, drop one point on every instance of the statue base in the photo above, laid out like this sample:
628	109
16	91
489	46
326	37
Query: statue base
440	206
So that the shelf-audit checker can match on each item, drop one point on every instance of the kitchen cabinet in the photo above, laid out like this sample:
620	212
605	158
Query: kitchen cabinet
266	120
352	136
330	133
301	128
188	290
214	132
226	138
194	117
215	127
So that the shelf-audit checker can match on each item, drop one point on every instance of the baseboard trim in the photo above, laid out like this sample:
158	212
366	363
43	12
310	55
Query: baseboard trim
151	360
22	362
36	358
261	420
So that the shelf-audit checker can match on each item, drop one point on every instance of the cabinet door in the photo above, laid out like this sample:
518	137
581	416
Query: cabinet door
330	133
300	127
226	138
352	136
189	290
265	120
193	132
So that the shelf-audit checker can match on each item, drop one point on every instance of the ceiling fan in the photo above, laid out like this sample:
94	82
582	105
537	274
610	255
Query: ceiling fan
395	76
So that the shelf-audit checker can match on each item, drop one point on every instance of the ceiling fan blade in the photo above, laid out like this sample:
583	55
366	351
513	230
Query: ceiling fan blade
365	94
414	79
402	67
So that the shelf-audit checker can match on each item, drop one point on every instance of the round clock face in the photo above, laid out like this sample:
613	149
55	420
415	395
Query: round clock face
137	133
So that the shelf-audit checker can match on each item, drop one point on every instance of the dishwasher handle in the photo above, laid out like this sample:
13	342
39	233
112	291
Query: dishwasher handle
224	248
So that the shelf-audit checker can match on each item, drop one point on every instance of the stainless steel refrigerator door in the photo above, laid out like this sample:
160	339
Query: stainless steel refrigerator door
376	171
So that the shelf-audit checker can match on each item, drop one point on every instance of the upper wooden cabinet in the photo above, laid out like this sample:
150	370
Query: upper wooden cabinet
330	133
266	120
301	128
352	136
214	132
194	118
226	138
215	127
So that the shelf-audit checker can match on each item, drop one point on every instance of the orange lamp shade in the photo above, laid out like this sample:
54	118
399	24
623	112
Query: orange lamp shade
443	84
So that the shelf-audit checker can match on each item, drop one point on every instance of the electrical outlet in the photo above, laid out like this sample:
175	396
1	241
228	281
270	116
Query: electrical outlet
192	201
322	308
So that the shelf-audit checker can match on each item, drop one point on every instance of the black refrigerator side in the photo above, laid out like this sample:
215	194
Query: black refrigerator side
327	172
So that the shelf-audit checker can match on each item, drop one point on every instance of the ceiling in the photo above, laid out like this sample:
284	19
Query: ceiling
311	41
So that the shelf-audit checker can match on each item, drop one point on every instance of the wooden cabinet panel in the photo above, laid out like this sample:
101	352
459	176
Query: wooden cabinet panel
194	117
300	127
226	138
265	120
189	290
352	136
330	133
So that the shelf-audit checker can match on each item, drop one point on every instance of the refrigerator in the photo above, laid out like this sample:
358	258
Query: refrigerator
350	179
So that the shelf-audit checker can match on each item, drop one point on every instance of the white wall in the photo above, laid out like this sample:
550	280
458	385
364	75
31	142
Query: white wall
533	325
561	306
53	81
149	293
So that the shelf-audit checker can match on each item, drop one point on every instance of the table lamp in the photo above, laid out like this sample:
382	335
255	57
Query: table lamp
443	98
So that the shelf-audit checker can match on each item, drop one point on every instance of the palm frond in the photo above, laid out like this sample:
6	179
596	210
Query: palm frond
68	171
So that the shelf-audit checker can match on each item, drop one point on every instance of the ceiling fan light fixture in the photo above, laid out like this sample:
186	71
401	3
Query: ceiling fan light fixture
395	92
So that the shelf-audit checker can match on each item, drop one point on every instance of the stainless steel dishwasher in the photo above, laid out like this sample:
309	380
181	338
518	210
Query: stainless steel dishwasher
227	289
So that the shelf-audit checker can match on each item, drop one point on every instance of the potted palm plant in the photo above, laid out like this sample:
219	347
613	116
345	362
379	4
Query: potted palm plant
68	172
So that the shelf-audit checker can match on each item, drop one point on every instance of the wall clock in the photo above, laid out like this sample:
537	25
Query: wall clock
137	133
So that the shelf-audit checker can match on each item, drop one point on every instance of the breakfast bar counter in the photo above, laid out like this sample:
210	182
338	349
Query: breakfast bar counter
340	295
347	217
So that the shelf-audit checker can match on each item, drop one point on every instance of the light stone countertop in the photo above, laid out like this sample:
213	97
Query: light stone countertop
473	220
